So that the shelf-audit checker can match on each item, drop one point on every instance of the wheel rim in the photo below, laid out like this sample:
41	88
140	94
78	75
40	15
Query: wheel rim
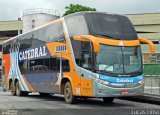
68	93
17	89
12	88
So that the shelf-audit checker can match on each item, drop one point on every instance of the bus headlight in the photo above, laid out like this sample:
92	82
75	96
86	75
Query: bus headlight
103	82
141	82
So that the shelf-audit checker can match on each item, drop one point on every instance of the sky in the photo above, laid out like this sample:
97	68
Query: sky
13	9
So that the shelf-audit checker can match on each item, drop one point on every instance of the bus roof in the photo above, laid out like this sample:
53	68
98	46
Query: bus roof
44	25
89	12
60	19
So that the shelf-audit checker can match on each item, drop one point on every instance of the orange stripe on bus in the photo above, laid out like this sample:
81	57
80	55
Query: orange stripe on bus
28	84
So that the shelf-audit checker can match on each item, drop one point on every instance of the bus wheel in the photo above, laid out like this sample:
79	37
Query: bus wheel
25	93
18	90
108	99
68	94
44	94
12	88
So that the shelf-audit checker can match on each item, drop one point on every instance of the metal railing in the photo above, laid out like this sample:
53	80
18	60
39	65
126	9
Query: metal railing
39	10
152	84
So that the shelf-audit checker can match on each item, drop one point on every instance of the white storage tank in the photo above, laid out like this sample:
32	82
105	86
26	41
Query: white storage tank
35	17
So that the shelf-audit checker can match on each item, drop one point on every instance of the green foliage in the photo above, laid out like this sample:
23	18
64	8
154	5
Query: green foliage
72	8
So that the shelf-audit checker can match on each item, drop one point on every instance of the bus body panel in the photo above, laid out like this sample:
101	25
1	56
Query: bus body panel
105	91
47	77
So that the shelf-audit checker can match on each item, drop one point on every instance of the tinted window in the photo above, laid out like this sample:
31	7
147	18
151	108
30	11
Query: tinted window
23	66
35	38
82	53
65	65
53	64
56	33
25	40
39	65
51	33
76	25
45	65
107	25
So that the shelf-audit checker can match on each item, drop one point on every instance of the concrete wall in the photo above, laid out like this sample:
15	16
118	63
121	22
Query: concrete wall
147	25
10	25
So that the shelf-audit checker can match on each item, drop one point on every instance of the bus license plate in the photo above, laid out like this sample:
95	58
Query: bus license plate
125	92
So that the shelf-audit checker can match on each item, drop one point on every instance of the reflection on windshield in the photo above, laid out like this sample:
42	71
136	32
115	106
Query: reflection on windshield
119	60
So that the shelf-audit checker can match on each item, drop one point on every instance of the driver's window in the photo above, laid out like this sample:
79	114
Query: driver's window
86	63
86	55
82	53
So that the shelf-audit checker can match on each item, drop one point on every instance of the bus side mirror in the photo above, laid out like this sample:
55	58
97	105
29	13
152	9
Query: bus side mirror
143	40
89	38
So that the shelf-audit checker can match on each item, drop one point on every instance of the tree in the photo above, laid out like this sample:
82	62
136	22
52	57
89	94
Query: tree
72	8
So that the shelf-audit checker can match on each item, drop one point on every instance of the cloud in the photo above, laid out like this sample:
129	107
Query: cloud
12	9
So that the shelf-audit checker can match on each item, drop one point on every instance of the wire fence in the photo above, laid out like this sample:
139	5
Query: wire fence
152	84
152	78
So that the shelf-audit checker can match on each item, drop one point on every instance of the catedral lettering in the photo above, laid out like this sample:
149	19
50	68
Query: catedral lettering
101	59
124	80
32	53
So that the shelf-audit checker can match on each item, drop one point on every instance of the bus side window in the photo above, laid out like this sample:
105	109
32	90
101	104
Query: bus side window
65	65
39	65
86	61
55	33
23	67
53	65
86	55
82	52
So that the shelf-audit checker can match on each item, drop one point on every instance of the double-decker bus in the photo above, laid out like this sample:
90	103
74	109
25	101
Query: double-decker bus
86	54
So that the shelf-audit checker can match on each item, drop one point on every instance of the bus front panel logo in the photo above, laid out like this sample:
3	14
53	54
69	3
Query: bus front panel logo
124	80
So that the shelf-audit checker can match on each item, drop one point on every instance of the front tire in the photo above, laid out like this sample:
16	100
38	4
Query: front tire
44	94
13	88
68	94
18	91
108	99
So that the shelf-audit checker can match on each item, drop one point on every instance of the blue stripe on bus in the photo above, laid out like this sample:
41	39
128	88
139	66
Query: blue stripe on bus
121	80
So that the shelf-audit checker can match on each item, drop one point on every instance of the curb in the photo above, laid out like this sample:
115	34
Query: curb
1	89
145	98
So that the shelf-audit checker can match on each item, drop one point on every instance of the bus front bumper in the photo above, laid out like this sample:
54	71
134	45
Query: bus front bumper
106	91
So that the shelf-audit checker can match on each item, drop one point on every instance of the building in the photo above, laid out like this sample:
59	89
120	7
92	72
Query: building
8	29
148	26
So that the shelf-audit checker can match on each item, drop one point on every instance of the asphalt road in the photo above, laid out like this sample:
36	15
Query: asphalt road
55	105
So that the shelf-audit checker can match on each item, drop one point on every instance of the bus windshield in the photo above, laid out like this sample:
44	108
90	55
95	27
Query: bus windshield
101	25
119	60
110	26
